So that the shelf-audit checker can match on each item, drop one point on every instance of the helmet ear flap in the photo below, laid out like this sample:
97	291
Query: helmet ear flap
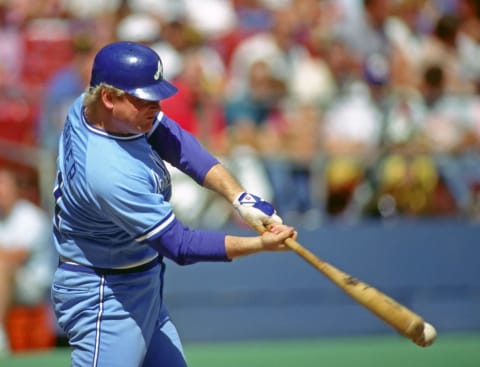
133	68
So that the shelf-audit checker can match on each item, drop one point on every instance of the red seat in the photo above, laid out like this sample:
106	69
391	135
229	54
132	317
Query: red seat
47	47
30	328
18	117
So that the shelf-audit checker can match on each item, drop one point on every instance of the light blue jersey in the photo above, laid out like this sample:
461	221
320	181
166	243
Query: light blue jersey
107	195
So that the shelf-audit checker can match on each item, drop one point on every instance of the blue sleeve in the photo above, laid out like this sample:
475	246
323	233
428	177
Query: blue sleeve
186	246
180	148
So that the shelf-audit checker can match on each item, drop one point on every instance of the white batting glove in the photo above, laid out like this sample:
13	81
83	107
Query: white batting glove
255	211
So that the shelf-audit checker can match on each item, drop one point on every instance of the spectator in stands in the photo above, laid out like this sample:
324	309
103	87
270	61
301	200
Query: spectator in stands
469	12
251	17
469	39
138	27
366	34
302	198
18	116
211	18
277	47
450	129
441	48
26	251
11	46
351	133
404	176
367	39
406	36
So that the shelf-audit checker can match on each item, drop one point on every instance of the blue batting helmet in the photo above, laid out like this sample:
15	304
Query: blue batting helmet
133	68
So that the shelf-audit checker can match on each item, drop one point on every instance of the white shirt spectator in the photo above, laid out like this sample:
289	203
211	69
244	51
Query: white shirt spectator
29	228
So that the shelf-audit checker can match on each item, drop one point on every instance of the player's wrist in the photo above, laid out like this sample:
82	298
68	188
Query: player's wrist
237	199
255	211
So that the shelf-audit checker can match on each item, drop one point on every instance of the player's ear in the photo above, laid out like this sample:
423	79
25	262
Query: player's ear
107	97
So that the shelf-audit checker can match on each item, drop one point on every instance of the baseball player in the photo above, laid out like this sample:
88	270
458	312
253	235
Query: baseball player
113	223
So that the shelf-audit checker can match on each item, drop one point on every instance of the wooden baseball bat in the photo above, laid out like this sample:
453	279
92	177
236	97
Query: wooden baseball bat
405	321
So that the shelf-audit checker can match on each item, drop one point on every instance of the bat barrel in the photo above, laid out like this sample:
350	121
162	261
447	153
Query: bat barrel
405	321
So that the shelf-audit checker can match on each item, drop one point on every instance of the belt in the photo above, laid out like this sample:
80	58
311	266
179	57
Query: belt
106	271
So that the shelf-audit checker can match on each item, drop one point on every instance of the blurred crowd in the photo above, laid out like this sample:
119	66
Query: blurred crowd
331	109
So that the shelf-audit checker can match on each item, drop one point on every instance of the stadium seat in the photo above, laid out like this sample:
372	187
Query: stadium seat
30	328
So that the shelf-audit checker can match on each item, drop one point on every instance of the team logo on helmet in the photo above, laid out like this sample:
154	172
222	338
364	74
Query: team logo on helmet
159	72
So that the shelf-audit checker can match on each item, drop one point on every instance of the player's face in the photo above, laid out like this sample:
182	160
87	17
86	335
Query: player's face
132	115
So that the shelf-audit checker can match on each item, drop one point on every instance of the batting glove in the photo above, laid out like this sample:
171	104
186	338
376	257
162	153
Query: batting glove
255	211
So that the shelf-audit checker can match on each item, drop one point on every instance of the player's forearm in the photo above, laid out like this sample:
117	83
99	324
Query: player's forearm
186	246
220	180
271	240
242	246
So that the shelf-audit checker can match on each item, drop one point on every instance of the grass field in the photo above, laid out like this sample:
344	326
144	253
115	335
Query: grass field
452	350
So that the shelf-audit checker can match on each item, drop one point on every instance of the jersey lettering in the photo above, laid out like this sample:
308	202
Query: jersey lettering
161	176
57	193
70	164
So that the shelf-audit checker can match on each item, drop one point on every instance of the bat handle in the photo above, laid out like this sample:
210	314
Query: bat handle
305	254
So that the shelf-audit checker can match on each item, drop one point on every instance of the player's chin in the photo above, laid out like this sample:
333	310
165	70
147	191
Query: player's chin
144	126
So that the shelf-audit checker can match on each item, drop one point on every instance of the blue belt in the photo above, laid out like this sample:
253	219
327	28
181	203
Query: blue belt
105	271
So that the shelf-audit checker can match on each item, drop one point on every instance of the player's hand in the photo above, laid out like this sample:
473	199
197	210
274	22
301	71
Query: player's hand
255	211
273	239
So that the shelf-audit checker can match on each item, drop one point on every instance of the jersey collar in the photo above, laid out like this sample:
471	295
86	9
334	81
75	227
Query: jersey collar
107	134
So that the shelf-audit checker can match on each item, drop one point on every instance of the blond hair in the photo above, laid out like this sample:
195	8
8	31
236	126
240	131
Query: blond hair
92	94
